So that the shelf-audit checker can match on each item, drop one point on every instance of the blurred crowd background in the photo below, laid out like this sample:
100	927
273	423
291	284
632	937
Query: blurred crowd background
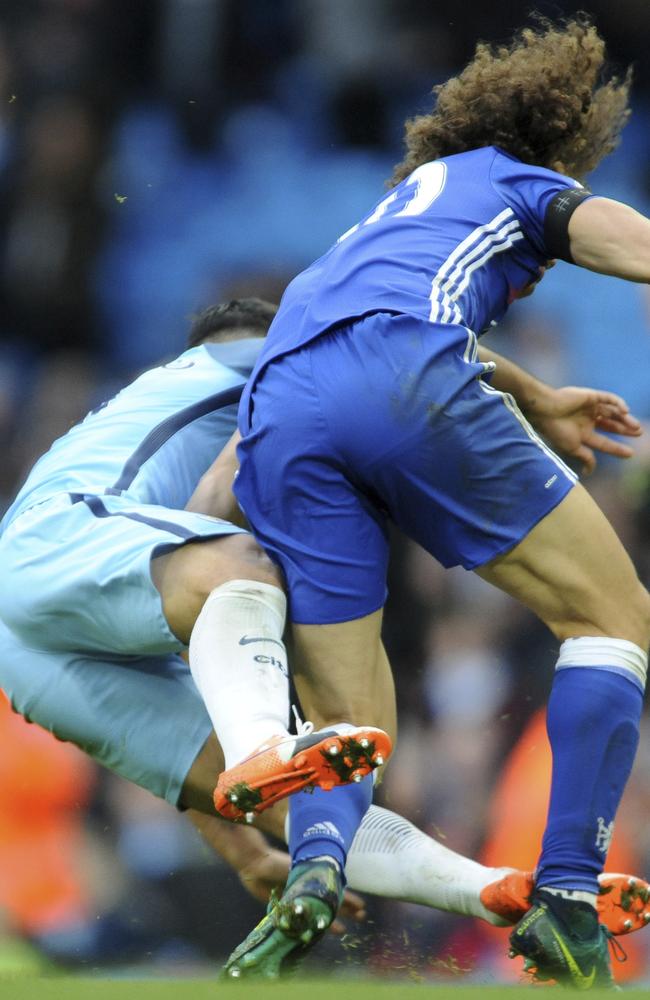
160	155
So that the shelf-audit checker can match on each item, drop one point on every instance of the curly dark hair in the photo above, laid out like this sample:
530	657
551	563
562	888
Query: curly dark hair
545	98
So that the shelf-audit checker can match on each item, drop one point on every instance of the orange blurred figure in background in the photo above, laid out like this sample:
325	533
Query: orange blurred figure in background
45	786
517	821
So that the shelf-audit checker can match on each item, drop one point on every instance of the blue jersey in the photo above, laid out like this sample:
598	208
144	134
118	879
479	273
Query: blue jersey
155	439
452	244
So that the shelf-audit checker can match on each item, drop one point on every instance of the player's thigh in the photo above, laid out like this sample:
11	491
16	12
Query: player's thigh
186	576
140	717
305	508
342	674
572	570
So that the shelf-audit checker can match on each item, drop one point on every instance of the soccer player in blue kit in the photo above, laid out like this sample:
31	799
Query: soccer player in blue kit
101	587
372	402
104	578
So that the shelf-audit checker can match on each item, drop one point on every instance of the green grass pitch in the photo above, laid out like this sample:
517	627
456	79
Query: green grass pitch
79	988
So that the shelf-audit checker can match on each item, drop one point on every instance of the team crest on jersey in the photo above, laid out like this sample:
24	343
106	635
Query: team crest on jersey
604	835
179	363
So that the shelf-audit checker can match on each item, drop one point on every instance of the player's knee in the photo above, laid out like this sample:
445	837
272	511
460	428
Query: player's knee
625	616
237	557
211	564
188	575
629	616
640	609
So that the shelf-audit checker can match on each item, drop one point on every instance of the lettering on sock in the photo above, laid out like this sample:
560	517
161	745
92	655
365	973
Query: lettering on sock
260	658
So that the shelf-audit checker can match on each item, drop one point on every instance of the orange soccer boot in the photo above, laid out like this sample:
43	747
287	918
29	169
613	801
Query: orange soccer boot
623	902
285	764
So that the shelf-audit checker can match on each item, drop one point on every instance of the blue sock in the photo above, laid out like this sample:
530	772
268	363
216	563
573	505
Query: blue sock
593	727
326	822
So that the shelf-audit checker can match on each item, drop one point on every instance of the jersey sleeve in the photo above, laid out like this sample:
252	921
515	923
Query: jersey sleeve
529	191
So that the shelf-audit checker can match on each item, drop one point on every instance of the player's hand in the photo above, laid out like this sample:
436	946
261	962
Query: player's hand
268	873
572	420
265	873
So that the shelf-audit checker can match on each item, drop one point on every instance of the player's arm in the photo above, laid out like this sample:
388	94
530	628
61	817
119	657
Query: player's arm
214	494
531	393
600	234
572	417
260	867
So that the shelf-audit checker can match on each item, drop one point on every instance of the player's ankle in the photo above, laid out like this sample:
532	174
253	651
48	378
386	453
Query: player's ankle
569	895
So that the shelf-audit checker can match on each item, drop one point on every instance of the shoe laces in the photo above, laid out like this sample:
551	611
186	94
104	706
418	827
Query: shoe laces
303	728
616	948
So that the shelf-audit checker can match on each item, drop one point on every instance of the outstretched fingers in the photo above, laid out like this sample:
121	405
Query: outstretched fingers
612	414
615	423
609	446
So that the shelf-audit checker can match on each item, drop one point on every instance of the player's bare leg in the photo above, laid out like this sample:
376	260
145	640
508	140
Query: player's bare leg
342	671
574	573
187	575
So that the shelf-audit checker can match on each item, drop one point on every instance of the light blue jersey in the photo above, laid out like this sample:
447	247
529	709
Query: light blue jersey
86	649
154	440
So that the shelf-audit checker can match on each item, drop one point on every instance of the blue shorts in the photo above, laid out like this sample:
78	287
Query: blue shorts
391	418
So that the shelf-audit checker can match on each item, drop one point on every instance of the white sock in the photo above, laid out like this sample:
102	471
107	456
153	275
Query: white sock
390	857
239	664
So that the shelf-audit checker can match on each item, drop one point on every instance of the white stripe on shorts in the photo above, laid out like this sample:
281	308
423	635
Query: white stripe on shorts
509	402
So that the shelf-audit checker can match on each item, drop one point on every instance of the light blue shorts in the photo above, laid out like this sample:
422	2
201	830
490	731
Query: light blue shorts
85	650
76	576
142	717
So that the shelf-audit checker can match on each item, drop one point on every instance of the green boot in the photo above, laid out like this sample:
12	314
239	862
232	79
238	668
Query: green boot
563	941
292	925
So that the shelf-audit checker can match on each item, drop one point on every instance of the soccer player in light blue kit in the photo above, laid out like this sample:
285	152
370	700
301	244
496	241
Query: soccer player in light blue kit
374	357
105	578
